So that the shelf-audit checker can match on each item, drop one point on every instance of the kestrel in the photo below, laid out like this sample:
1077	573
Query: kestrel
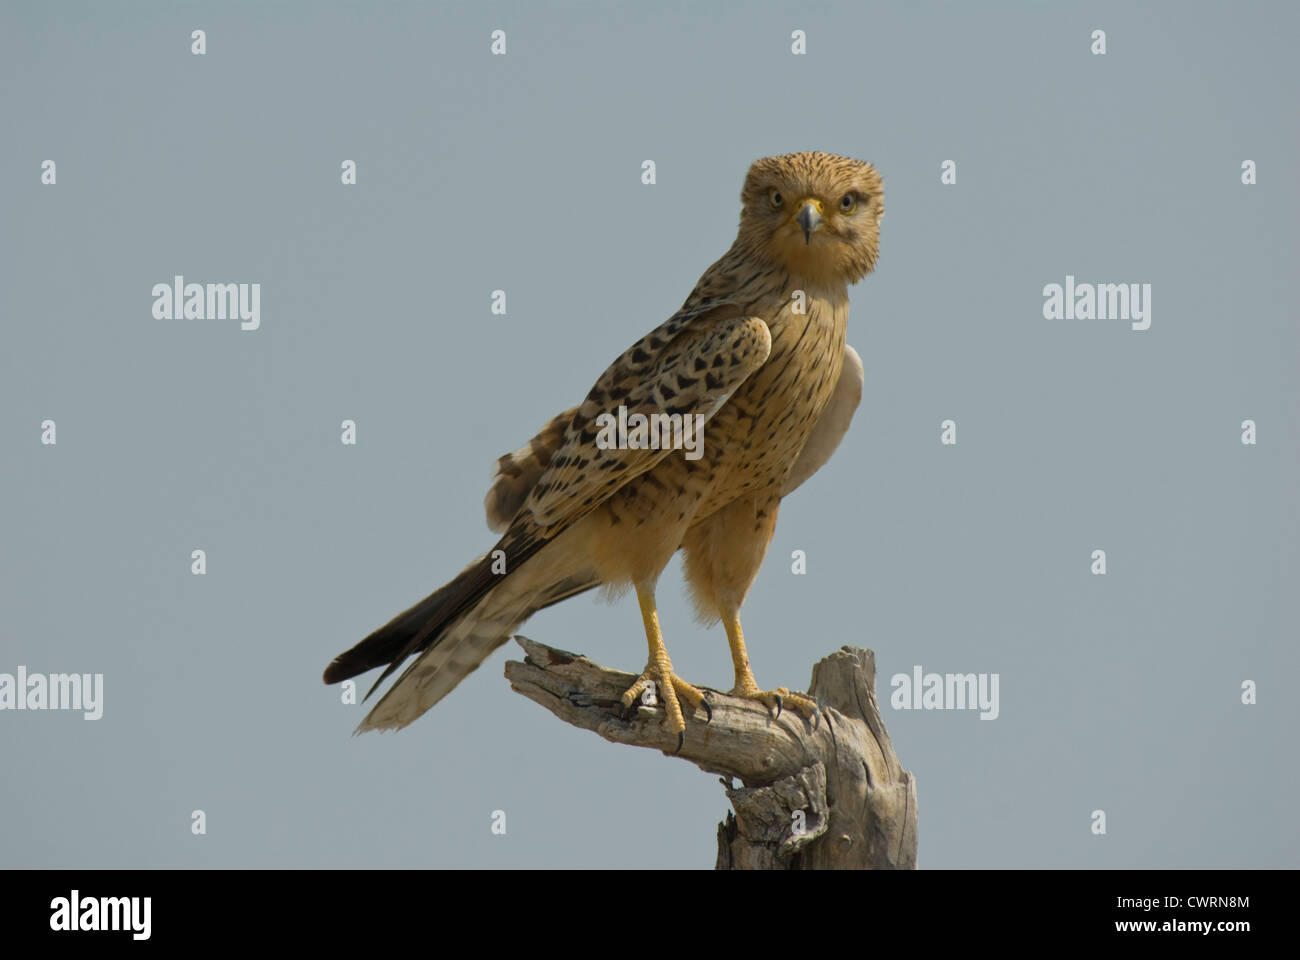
758	351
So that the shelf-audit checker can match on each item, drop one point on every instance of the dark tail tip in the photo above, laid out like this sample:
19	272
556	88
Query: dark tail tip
376	650
422	625
337	671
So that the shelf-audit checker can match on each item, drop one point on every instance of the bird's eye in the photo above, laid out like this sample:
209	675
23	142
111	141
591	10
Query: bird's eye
776	198
848	202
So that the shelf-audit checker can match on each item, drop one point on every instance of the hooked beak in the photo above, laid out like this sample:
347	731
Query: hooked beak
809	218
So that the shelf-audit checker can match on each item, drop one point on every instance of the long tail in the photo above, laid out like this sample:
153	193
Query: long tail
455	629
385	645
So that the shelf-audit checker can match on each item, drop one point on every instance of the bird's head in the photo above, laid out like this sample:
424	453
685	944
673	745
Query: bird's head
814	214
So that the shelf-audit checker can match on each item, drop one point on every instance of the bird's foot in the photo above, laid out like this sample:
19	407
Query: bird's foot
657	683
781	699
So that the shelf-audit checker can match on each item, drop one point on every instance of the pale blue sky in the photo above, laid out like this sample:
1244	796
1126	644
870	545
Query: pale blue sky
523	173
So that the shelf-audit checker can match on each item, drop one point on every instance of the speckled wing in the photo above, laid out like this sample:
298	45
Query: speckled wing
518	472
689	365
833	423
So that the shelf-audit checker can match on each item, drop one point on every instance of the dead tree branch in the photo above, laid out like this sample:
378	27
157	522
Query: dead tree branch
813	797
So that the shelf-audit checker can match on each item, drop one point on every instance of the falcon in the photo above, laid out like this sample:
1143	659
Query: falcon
757	354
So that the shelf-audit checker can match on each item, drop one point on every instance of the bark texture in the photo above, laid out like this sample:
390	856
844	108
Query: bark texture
829	795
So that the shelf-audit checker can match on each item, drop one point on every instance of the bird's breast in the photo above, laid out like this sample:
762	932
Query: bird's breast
755	439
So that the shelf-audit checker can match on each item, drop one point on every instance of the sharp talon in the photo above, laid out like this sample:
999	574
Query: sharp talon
707	709
779	701
817	718
681	739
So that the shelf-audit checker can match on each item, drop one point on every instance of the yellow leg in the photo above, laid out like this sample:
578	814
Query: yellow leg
659	673
747	687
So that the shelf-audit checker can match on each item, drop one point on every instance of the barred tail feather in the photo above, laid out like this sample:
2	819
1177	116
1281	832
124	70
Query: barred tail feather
436	672
391	642
451	632
467	642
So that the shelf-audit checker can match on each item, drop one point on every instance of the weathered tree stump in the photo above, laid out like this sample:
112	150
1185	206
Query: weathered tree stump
823	795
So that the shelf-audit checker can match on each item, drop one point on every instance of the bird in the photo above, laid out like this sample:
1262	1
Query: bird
757	355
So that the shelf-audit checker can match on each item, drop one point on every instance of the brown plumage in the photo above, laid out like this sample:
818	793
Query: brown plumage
758	351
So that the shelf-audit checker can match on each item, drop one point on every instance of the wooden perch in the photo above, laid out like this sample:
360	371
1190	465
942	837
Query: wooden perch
829	797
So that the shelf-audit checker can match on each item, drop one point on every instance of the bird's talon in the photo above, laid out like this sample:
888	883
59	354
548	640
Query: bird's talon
672	693
776	701
681	740
708	710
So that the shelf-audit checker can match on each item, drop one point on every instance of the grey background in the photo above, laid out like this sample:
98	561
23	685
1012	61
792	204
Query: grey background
523	173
